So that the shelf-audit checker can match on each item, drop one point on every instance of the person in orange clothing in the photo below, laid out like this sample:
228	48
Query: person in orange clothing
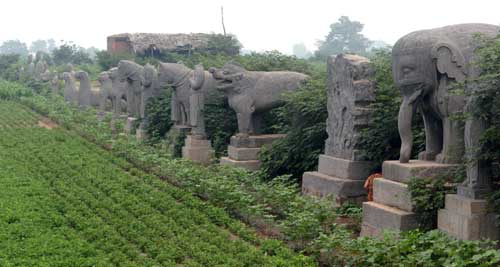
369	184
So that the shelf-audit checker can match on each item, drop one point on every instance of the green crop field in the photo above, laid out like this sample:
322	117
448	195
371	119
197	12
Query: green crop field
66	202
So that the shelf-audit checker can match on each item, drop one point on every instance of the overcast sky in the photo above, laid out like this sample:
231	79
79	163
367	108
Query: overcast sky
259	24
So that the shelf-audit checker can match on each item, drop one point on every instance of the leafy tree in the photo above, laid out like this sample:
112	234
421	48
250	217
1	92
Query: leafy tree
300	51
70	53
226	44
344	37
107	60
14	47
39	46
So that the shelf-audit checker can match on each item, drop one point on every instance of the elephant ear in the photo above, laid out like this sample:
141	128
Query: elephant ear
449	61
198	77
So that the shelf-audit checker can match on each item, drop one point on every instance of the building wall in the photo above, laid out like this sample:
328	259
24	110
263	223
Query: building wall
119	45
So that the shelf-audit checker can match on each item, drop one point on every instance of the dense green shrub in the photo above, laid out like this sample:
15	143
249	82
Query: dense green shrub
158	110
13	91
107	60
70	53
303	119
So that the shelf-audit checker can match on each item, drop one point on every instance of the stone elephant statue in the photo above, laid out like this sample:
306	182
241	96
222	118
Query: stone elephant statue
177	75
427	66
118	92
133	75
250	93
151	89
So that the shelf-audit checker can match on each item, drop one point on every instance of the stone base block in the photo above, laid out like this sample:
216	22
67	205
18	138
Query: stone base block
254	141
203	155
391	193
141	134
130	125
251	165
318	184
195	141
467	219
345	169
378	218
243	153
403	172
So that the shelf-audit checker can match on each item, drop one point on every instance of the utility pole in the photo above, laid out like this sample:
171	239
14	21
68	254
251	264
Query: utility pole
222	15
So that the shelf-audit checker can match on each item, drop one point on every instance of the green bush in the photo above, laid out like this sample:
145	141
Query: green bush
303	119
13	91
107	60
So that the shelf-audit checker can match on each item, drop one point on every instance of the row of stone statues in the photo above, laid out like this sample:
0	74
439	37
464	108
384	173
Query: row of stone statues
427	67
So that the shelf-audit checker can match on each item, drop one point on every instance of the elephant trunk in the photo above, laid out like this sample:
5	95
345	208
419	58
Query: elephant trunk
406	111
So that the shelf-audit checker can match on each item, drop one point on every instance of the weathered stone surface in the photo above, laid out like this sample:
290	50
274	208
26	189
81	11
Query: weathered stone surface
350	92
345	169
393	194
105	91
133	75
427	66
318	184
252	165
420	169
84	93
378	218
250	93
141	134
243	153
198	149
255	141
467	219
192	141
40	68
70	91
54	84
118	92
190	87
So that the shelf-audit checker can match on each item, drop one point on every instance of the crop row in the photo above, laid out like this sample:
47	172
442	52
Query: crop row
131	218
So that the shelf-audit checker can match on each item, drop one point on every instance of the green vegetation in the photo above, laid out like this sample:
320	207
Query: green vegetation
275	208
97	209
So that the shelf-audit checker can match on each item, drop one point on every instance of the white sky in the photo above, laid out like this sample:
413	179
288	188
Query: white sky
259	24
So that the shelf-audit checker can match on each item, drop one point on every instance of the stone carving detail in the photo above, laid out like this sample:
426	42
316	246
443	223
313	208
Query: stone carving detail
84	93
201	83
350	92
427	65
133	75
70	92
105	91
251	93
176	75
118	94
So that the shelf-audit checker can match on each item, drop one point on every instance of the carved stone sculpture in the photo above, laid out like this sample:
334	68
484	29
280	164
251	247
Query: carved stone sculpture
252	92
176	75
133	75
40	68
54	84
84	94
31	66
105	91
343	168
118	94
70	92
427	65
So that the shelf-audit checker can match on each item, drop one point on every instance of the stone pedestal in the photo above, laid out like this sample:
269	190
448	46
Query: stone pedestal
199	149
392	208
141	134
243	151
341	178
130	125
468	219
